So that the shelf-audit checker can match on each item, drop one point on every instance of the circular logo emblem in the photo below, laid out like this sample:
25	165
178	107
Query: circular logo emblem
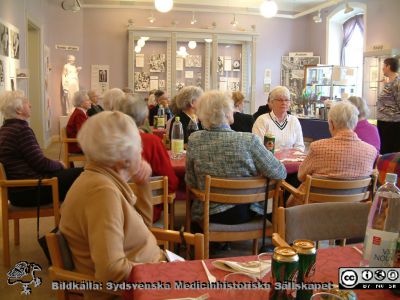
380	275
392	275
349	278
367	275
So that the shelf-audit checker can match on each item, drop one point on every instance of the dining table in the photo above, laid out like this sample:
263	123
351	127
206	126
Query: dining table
159	132
189	279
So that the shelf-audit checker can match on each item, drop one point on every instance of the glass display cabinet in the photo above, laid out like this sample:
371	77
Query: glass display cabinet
373	76
331	82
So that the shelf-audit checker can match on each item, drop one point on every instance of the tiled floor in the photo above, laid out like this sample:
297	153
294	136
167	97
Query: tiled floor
29	250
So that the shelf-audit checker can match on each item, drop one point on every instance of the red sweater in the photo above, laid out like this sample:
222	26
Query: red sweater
157	156
75	123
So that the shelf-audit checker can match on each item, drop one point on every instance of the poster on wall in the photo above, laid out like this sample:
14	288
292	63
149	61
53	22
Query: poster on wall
4	39
193	61
142	82
2	75
47	104
14	44
157	63
292	72
100	78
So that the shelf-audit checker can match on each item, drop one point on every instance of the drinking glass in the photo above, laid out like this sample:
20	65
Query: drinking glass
325	296
264	258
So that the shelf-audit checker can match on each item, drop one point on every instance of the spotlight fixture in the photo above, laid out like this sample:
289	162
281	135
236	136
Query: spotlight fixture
75	6
348	8
163	5
141	43
208	40
138	49
317	18
151	19
144	38
192	45
182	51
234	23
194	20
268	8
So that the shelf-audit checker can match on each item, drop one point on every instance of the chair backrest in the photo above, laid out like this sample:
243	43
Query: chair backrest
197	240
388	163
60	253
238	190
323	221
333	190
2	172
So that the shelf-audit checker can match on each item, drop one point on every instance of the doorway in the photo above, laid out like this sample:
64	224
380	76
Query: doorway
35	80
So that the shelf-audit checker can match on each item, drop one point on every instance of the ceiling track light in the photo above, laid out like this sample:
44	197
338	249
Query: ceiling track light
151	19
317	18
194	20
74	7
268	8
234	23
348	8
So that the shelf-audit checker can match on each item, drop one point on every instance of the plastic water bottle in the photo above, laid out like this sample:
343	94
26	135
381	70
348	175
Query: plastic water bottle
383	226
192	127
161	117
177	139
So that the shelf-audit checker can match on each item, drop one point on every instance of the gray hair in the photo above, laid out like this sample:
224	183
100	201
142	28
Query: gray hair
10	102
79	98
112	98
135	107
343	115
186	96
115	134
91	94
361	104
213	108
278	92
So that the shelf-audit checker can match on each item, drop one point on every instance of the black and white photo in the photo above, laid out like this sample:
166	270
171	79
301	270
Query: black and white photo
157	63
4	40
142	81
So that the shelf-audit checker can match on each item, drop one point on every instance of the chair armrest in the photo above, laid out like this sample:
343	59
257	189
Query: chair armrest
64	275
278	241
27	182
197	193
70	140
171	198
291	189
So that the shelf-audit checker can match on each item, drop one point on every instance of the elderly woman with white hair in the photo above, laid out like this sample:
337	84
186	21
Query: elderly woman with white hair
111	99
186	103
78	117
343	156
221	152
286	128
365	130
102	220
22	157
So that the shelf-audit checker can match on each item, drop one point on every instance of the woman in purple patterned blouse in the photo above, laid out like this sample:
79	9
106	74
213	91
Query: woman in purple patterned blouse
365	130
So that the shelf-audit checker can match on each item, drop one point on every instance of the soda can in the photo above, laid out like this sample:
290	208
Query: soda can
307	258
284	270
269	141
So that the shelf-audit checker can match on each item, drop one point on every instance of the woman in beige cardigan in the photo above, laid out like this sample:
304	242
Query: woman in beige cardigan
102	220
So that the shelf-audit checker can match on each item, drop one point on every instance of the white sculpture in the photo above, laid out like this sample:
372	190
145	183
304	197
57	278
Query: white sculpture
70	82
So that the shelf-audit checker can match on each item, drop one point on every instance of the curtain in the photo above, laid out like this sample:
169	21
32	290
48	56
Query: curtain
348	29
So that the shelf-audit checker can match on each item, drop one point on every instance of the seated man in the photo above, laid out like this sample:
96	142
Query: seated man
344	156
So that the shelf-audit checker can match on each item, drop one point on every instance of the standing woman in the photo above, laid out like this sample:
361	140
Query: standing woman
241	122
388	104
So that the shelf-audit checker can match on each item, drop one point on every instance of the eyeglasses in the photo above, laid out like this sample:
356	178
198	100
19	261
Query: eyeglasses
282	100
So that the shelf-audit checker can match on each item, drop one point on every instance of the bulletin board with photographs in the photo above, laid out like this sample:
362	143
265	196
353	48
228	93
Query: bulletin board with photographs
229	70
190	68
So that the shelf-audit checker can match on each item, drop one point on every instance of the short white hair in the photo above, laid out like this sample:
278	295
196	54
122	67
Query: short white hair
110	137
135	107
343	115
279	92
112	98
213	108
361	104
10	102
186	96
79	98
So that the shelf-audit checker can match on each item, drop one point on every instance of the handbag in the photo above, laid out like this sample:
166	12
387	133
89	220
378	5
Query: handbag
42	240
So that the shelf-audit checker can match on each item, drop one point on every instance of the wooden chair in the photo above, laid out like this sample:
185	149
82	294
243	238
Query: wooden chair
62	268
10	212
69	158
319	190
321	221
231	191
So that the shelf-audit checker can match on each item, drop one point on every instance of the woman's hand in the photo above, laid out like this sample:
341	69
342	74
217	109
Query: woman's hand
143	174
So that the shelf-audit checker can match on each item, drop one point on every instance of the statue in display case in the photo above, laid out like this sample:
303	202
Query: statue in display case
70	82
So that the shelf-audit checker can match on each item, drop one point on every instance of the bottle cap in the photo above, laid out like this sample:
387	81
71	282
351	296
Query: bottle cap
177	119
391	177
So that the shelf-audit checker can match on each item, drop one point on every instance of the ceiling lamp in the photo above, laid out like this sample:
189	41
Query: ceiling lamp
138	49
192	45
151	19
348	8
317	18
141	43
208	40
163	5
182	51
74	6
144	38
268	8
194	20
234	23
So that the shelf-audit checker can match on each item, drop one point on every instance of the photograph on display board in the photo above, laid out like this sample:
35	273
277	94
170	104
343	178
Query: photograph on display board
161	84
198	79
292	72
220	64
2	76
193	61
102	75
14	44
157	63
142	81
4	40
179	85
236	65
